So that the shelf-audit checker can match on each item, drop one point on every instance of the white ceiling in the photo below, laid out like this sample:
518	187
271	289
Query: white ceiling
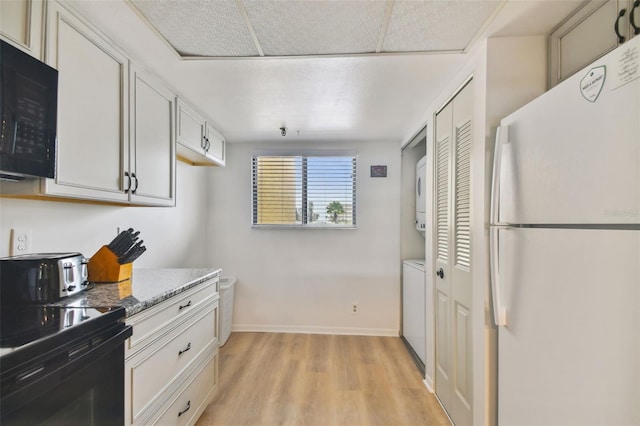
381	97
249	28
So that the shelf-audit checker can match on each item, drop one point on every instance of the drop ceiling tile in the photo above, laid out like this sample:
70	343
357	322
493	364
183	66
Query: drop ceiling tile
435	25
200	27
313	27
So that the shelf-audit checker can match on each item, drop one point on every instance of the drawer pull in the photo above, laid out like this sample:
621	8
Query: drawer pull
185	349
186	409
181	307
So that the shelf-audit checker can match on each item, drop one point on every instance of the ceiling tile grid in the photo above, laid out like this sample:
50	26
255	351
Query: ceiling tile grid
432	26
286	28
249	28
200	27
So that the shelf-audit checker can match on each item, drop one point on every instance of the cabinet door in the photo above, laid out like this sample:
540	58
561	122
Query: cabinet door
586	36
191	130
21	24
215	146
152	145
92	110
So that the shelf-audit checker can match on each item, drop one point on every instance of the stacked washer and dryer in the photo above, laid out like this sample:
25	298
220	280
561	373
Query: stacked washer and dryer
417	326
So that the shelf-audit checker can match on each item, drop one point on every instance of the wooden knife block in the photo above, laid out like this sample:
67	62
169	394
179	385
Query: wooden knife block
104	267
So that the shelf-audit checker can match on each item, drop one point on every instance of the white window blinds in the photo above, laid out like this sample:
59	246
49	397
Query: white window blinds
318	191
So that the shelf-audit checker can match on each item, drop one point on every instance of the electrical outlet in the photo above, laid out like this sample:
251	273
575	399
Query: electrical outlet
20	241
355	308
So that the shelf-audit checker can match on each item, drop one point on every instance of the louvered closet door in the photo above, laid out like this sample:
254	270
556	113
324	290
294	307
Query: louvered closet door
453	257
443	279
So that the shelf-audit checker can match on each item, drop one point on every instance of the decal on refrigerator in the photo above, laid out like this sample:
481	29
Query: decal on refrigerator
591	84
627	66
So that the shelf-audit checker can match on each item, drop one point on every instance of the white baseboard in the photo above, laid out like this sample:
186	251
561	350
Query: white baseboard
429	384
306	329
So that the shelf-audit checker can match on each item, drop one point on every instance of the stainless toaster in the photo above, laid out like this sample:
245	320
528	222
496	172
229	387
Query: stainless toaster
42	277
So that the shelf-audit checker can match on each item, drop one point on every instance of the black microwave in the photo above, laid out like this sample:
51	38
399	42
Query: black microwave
28	115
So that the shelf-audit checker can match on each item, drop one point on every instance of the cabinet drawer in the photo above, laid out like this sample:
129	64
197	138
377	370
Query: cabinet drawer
162	318
153	370
190	403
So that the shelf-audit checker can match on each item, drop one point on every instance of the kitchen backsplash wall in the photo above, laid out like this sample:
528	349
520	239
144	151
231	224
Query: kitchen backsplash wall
173	235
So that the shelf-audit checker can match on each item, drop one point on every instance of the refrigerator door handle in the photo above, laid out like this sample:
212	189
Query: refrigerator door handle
502	137
499	311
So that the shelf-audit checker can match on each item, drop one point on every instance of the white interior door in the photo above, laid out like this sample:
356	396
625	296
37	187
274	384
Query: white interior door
443	371
453	374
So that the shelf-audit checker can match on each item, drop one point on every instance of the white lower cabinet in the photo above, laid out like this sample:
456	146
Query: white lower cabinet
171	360
186	407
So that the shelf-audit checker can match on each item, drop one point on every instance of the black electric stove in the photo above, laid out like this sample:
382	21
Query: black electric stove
23	327
62	365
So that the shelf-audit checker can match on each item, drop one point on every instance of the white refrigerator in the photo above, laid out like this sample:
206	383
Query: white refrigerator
565	250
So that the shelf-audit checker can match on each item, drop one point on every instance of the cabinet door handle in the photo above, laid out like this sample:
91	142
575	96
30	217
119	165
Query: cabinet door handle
632	17
186	409
181	307
133	175
616	27
185	349
126	174
440	273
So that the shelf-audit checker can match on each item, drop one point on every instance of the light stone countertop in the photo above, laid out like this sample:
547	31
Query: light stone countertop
147	287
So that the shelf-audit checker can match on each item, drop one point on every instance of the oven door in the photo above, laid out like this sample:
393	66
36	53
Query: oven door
82	384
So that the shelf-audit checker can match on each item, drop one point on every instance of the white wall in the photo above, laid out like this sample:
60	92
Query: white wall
173	235
304	280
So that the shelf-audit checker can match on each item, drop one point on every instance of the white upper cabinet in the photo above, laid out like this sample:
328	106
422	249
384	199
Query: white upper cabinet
116	124
152	157
214	145
191	128
92	110
21	24
198	142
595	29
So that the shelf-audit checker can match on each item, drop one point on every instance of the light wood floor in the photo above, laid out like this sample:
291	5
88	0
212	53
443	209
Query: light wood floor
307	379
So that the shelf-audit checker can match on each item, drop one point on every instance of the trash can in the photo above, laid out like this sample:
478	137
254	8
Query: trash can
227	285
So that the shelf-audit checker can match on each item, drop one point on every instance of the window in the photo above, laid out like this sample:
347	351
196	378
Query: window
308	191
